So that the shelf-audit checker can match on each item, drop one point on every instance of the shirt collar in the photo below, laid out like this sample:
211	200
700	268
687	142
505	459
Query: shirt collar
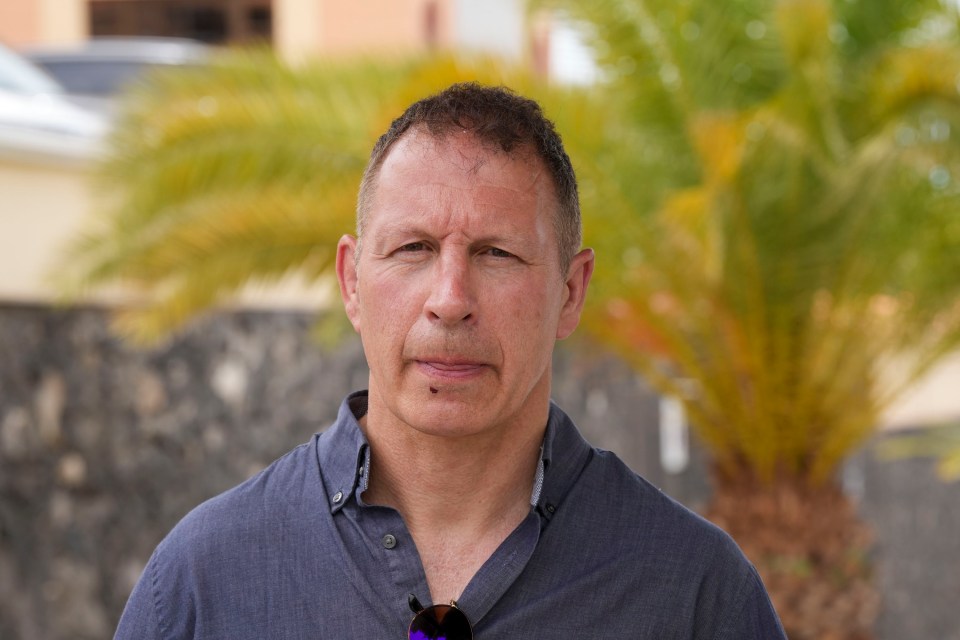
565	454
342	453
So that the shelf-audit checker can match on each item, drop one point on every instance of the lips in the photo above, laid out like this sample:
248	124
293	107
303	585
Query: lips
449	369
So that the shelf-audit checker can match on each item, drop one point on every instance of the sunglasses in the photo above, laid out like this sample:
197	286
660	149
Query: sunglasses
439	622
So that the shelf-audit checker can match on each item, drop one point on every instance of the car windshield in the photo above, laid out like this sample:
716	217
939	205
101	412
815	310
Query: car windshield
19	76
93	77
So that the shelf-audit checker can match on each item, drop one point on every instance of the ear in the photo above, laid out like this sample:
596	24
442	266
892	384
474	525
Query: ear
347	277
578	277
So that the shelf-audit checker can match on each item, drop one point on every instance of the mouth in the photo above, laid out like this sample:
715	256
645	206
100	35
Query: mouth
452	370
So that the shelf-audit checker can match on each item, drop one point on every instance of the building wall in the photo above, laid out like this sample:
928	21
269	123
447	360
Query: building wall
46	204
217	22
305	28
384	26
42	206
296	27
300	27
25	22
63	21
19	23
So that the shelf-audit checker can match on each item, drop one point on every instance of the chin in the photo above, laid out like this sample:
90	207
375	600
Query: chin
447	417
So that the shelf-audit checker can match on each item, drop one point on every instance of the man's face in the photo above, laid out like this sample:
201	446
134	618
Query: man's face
456	292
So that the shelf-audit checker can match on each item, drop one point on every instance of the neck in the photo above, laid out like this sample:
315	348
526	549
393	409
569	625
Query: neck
466	479
460	497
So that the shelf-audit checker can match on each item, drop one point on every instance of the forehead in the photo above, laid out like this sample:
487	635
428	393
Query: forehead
458	162
463	151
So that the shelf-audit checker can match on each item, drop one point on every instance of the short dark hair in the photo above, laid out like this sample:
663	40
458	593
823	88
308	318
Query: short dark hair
498	117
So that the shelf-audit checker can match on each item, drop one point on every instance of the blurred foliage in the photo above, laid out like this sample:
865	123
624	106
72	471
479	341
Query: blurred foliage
772	187
247	170
776	213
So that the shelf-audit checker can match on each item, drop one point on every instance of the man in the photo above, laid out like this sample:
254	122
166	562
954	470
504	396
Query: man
453	479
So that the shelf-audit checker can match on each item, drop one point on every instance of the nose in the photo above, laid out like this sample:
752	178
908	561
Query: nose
451	299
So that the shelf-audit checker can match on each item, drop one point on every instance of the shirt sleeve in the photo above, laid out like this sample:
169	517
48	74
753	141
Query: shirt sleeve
139	620
755	619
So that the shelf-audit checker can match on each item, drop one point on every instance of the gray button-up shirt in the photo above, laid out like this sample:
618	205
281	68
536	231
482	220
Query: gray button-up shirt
295	553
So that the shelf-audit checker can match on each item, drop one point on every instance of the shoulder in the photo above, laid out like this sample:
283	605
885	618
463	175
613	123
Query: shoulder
619	517
605	501
221	548
680	560
245	509
627	502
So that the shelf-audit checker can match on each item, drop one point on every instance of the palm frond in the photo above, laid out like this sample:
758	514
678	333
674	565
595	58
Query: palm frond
771	187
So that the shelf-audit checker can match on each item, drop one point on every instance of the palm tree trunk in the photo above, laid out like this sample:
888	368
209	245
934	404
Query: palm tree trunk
811	549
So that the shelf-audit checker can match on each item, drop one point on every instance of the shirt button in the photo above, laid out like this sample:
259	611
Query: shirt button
389	541
551	508
337	497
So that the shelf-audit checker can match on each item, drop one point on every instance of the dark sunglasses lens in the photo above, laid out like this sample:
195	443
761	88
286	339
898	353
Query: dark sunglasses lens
441	622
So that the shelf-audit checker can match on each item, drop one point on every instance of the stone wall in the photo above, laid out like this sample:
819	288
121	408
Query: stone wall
104	447
916	523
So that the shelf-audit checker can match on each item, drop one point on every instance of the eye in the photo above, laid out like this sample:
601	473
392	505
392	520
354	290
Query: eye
499	253
412	251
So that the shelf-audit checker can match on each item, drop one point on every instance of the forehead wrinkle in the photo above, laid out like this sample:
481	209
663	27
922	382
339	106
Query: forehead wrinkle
464	153
474	152
436	195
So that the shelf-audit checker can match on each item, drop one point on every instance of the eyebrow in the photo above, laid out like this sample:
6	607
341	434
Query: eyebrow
391	229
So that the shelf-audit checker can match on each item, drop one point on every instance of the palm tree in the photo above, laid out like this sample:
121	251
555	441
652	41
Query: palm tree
771	187
245	171
786	251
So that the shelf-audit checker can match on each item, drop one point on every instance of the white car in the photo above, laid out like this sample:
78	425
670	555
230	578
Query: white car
94	72
37	121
